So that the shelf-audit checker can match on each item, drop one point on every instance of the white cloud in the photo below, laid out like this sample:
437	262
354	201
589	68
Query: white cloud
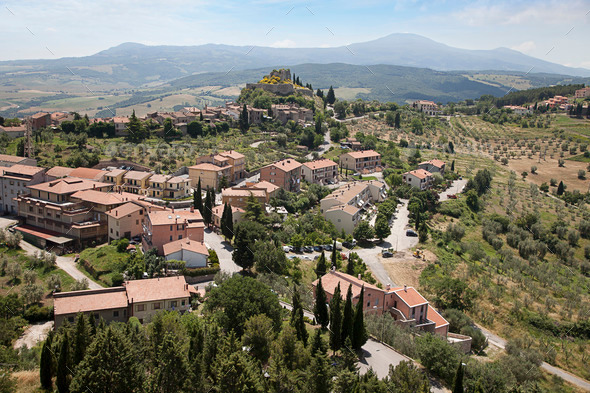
525	47
283	44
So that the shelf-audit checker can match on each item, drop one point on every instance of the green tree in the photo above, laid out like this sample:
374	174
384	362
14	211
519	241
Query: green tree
208	208
136	131
347	317
268	258
198	198
321	378
560	188
195	129
363	231
330	97
243	120
336	320
171	366
245	236
417	126
318	345
237	299
227	222
397	120
255	211
458	384
80	336
110	365
382	229
257	336
297	318
46	365
340	109
472	200
359	330
321	267
452	165
320	309
63	374
334	256
407	378
438	356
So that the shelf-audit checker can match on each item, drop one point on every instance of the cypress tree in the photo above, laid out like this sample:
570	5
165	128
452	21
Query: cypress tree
207	209
46	365
80	340
453	166
62	380
244	125
359	331
397	122
348	316
92	325
458	386
331	97
317	344
198	198
560	188
334	258
297	318
321	267
320	308
336	320
227	222
350	266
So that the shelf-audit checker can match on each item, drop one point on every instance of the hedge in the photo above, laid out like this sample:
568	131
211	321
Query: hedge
203	271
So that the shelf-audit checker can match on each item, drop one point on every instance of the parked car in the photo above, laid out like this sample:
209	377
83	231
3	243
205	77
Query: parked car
286	248
452	196
386	254
317	248
328	247
307	249
411	233
349	244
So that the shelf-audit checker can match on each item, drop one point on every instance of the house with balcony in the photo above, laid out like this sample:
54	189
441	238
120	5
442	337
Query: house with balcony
136	182
433	166
166	226
14	181
428	107
211	175
362	161
115	176
237	215
405	304
320	172
285	174
418	178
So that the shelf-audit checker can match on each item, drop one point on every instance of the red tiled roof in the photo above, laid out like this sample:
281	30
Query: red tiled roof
331	279
205	166
435	317
105	198
167	217
9	158
59	171
323	163
87	173
23	169
68	185
185	244
157	289
286	165
124	210
419	173
436	163
89	300
409	295
363	154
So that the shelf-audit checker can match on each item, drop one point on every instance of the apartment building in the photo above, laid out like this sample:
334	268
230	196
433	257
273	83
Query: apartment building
14	132
52	218
138	298
433	166
428	107
405	304
419	178
320	172
238	197
210	175
293	112
136	182
344	206
8	160
169	187
582	93
165	226
115	176
237	214
40	120
128	219
232	159
285	174
362	161
14	181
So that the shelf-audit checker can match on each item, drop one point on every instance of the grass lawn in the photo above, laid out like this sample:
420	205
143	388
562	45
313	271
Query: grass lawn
364	178
101	263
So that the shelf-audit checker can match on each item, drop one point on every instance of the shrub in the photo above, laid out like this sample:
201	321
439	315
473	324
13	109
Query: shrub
479	342
457	319
117	279
438	356
122	245
37	314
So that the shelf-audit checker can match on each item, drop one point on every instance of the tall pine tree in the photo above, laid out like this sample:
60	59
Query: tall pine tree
336	320
320	309
198	198
243	120
227	222
207	208
560	188
348	316
321	268
297	318
80	336
458	385
46	365
331	97
334	258
63	374
359	331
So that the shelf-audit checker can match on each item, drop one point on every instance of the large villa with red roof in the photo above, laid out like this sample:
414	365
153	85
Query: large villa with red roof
405	304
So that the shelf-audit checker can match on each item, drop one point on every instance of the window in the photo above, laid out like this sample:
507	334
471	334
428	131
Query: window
115	314
170	238
140	307
111	230
183	302
179	237
171	228
369	303
156	306
395	304
174	303
136	222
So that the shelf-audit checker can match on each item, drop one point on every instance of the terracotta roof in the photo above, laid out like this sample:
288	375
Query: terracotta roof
68	185
24	170
124	210
286	165
331	279
363	153
243	192
9	158
205	166
13	129
347	192
185	244
232	154
435	317
352	210
323	163
157	289
167	217
268	186
136	175
120	119
105	198
115	172
419	173
89	300
218	210
435	163
409	295
178	179
221	158
59	171
157	178
39	115
88	173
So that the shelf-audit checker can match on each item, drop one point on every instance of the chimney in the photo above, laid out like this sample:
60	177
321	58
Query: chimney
388	287
192	209
359	276
172	210
405	288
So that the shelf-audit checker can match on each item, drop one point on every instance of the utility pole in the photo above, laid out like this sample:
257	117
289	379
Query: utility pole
29	151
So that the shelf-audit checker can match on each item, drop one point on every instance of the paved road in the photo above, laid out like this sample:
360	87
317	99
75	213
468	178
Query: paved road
289	307
223	250
574	380
455	188
323	147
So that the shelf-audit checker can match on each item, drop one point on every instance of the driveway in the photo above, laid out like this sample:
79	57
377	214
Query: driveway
455	188
223	250
33	335
323	147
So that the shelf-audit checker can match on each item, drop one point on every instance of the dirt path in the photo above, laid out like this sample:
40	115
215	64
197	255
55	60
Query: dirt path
33	334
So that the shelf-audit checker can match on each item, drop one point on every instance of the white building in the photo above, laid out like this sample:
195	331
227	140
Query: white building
418	178
194	253
14	182
428	107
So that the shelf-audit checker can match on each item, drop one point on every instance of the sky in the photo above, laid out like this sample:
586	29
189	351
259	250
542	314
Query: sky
555	31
